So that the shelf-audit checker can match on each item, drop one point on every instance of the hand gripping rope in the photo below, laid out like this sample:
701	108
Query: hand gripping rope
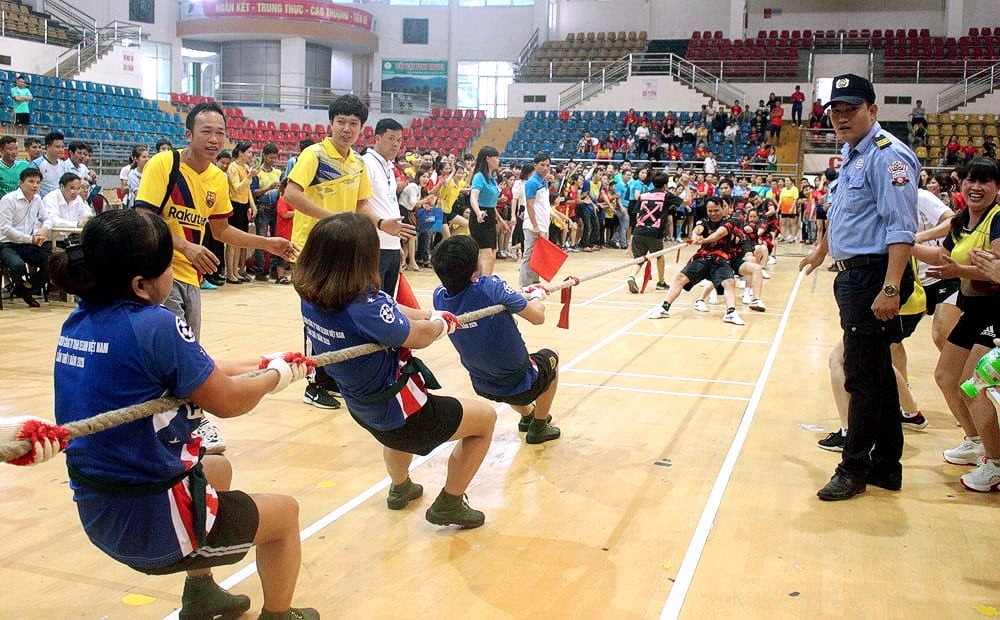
109	419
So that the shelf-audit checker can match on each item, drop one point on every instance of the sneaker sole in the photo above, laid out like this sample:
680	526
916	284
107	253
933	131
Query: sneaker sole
991	489
436	520
633	287
831	448
914	427
522	426
399	505
960	461
310	401
226	614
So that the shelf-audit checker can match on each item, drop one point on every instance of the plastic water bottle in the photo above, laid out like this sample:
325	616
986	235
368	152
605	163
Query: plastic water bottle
987	374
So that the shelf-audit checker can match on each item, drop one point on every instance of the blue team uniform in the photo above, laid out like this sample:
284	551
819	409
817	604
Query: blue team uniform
113	356
491	348
374	319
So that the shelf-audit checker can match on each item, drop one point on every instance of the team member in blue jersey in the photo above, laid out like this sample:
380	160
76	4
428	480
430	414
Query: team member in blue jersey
338	279
145	493
491	348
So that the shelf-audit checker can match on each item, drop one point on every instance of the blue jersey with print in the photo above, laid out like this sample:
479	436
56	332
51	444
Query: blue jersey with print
491	349
489	191
374	318
113	356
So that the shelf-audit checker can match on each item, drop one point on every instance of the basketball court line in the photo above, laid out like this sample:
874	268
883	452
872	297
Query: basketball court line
709	338
593	386
685	574
664	377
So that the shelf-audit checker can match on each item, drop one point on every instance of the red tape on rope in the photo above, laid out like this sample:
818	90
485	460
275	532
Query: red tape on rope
566	296
647	274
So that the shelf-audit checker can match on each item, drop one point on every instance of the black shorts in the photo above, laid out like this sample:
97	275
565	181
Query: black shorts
229	540
979	314
22	118
788	216
642	245
717	271
484	233
425	430
547	363
238	218
939	291
448	217
820	213
908	323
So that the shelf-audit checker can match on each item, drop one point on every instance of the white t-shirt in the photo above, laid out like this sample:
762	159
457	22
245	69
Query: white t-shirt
540	206
930	210
383	200
65	215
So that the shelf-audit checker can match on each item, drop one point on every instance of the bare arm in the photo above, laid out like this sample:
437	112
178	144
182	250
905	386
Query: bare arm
534	312
228	397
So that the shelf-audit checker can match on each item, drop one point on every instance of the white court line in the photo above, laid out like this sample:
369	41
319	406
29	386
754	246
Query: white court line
603	295
655	335
665	377
685	574
645	391
362	497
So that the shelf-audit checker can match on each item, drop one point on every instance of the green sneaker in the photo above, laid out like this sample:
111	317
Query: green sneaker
203	599
293	613
525	422
454	510
540	432
400	496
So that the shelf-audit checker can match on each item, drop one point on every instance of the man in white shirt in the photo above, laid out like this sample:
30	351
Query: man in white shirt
65	207
384	201
536	216
24	230
50	164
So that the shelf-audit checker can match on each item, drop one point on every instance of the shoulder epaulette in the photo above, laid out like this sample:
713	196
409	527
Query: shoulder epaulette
882	141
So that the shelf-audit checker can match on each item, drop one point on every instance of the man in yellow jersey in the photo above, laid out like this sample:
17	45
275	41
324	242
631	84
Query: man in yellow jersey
331	178
187	191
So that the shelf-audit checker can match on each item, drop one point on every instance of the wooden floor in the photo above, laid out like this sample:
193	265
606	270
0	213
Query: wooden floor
683	485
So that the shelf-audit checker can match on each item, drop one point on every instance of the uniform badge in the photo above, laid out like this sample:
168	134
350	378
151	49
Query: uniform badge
210	199
897	172
843	83
858	165
184	330
387	314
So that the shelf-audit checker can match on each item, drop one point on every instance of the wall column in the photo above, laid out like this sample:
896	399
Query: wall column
293	63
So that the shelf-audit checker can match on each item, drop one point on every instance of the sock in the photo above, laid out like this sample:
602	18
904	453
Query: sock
909	415
730	310
666	306
843	432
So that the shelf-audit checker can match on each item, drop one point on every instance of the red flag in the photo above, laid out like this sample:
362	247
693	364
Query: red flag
404	294
647	274
566	296
546	258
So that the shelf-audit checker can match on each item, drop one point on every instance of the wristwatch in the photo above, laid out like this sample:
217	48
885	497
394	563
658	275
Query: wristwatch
890	290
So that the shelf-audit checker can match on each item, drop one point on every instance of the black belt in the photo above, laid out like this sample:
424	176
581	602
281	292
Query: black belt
860	261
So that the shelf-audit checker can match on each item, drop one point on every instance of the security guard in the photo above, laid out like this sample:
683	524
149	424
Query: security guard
872	225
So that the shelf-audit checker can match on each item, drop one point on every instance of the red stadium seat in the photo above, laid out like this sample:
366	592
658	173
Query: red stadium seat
696	34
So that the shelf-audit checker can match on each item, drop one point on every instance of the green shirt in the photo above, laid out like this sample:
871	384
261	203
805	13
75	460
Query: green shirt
20	107
10	178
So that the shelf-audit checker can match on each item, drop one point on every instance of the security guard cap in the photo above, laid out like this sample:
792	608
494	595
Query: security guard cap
851	89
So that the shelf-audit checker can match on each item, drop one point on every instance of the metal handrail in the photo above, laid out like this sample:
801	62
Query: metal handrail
95	43
70	16
529	48
601	78
269	95
985	81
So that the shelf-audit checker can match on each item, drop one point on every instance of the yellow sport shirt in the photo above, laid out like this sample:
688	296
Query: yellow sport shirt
195	199
330	181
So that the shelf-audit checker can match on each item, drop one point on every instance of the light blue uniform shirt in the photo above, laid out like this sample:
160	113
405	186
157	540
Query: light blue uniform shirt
874	202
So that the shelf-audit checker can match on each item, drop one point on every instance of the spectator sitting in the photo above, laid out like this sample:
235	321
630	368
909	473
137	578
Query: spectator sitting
969	152
690	133
674	154
701	134
736	111
721	120
731	131
918	136
141	155
65	207
952	151
586	144
701	152
631	119
24	229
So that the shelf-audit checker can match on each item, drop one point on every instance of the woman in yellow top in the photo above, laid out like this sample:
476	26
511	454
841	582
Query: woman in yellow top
975	228
447	194
241	172
787	208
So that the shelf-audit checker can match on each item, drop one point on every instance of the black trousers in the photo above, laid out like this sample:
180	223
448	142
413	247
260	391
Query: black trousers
18	256
874	433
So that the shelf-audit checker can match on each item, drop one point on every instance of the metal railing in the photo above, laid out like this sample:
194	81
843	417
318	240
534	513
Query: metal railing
70	16
281	96
599	79
975	85
529	48
94	44
51	32
934	70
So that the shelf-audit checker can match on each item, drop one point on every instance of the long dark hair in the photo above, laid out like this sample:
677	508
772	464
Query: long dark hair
339	262
482	165
983	170
115	247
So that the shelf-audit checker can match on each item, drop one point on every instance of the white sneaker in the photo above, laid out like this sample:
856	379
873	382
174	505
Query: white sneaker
757	306
659	312
747	297
772	260
713	297
764	274
969	452
211	437
741	283
700	306
984	478
733	318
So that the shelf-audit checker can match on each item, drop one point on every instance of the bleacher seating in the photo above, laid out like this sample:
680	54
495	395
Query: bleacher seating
445	130
95	112
580	53
974	128
21	22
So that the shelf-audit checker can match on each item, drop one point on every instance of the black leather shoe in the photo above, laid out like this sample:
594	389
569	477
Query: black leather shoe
841	486
29	299
888	480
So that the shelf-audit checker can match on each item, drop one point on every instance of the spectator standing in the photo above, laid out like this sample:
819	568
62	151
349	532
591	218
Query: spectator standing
50	163
240	174
642	139
10	165
536	217
798	100
872	227
22	97
777	118
33	149
384	200
918	115
264	188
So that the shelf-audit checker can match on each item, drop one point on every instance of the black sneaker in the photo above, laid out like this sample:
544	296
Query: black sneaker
28	298
318	397
915	422
525	422
540	432
662	286
260	277
454	510
402	495
833	442
203	599
293	613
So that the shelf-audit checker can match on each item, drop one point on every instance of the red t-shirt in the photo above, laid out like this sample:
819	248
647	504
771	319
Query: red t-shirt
736	111
798	96
776	113
283	226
